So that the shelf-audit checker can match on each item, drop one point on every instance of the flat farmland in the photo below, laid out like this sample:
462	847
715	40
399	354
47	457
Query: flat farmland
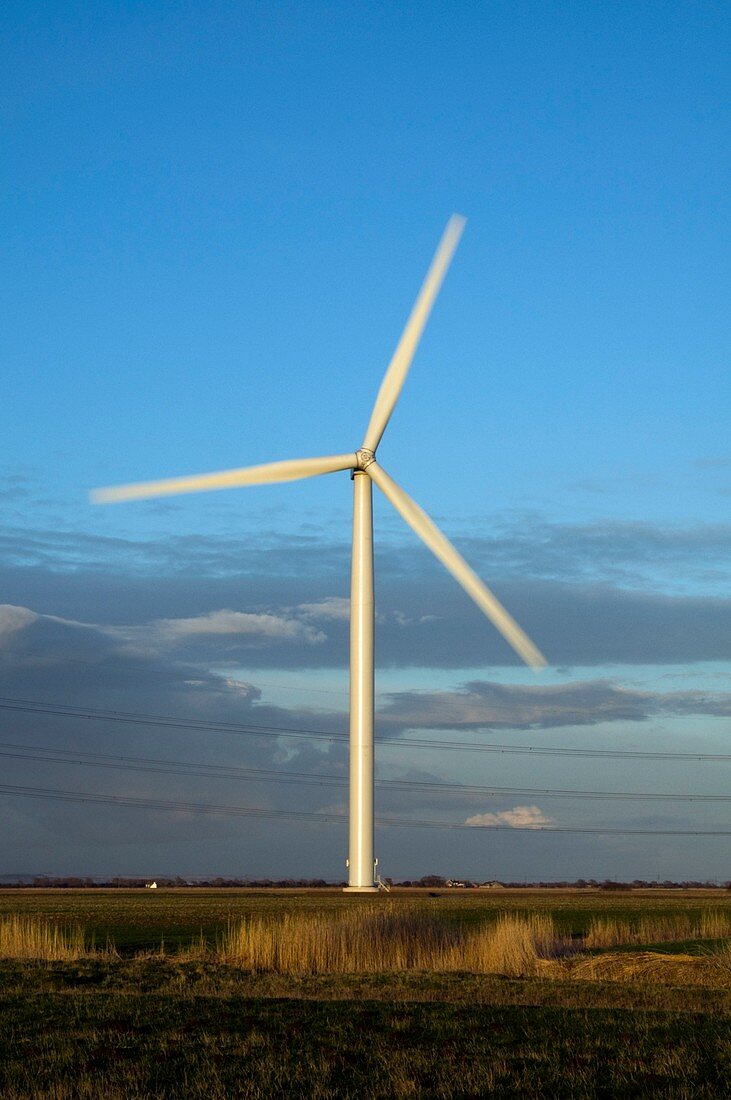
137	919
170	1009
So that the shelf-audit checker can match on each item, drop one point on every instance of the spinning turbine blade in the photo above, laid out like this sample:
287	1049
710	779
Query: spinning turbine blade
398	368
419	521
362	877
289	470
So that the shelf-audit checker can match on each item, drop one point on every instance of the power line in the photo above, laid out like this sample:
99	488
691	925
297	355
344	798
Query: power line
55	794
130	666
250	730
281	686
263	775
38	707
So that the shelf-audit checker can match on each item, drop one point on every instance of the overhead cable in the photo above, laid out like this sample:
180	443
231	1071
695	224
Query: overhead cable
178	806
250	730
263	775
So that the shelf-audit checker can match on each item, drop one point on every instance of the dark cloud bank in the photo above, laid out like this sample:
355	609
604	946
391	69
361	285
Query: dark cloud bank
48	658
587	594
51	659
114	624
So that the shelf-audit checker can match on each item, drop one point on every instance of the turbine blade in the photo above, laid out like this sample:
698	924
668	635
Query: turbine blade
427	530
290	470
398	368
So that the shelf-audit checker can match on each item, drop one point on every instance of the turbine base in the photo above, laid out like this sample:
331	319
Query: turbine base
360	889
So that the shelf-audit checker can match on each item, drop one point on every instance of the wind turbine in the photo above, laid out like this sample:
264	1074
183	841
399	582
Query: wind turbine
365	471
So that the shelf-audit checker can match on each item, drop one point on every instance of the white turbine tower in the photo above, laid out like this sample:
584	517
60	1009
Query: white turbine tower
365	471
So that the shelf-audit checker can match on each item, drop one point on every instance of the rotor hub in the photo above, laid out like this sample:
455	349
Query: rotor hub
365	457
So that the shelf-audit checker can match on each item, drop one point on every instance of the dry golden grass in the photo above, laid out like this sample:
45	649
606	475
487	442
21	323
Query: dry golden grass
722	958
31	938
714	925
513	946
651	968
611	932
381	940
378	940
365	940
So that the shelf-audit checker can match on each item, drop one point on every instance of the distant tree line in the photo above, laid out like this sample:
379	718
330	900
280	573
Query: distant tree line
118	882
430	882
437	881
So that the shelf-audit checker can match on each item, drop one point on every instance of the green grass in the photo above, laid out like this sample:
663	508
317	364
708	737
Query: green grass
141	919
93	1042
156	1025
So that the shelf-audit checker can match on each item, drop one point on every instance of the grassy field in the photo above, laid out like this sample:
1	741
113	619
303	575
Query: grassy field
625	1020
142	919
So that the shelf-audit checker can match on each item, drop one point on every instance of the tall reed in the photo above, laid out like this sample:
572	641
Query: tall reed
512	946
722	957
377	940
611	932
367	940
33	938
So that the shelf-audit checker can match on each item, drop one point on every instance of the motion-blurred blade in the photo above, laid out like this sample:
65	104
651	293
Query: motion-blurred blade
290	470
398	368
419	521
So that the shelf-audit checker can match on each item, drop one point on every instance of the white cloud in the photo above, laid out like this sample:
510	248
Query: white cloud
520	817
276	627
337	609
14	618
331	607
337	809
482	704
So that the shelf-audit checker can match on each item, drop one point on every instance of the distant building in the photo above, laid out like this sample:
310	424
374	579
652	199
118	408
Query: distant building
151	886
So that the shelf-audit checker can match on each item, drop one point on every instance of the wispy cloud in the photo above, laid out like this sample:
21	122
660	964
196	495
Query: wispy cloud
49	658
482	705
238	623
520	817
15	487
424	618
14	618
184	651
330	608
528	546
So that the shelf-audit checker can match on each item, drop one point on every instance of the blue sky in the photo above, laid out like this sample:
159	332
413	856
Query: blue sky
216	217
